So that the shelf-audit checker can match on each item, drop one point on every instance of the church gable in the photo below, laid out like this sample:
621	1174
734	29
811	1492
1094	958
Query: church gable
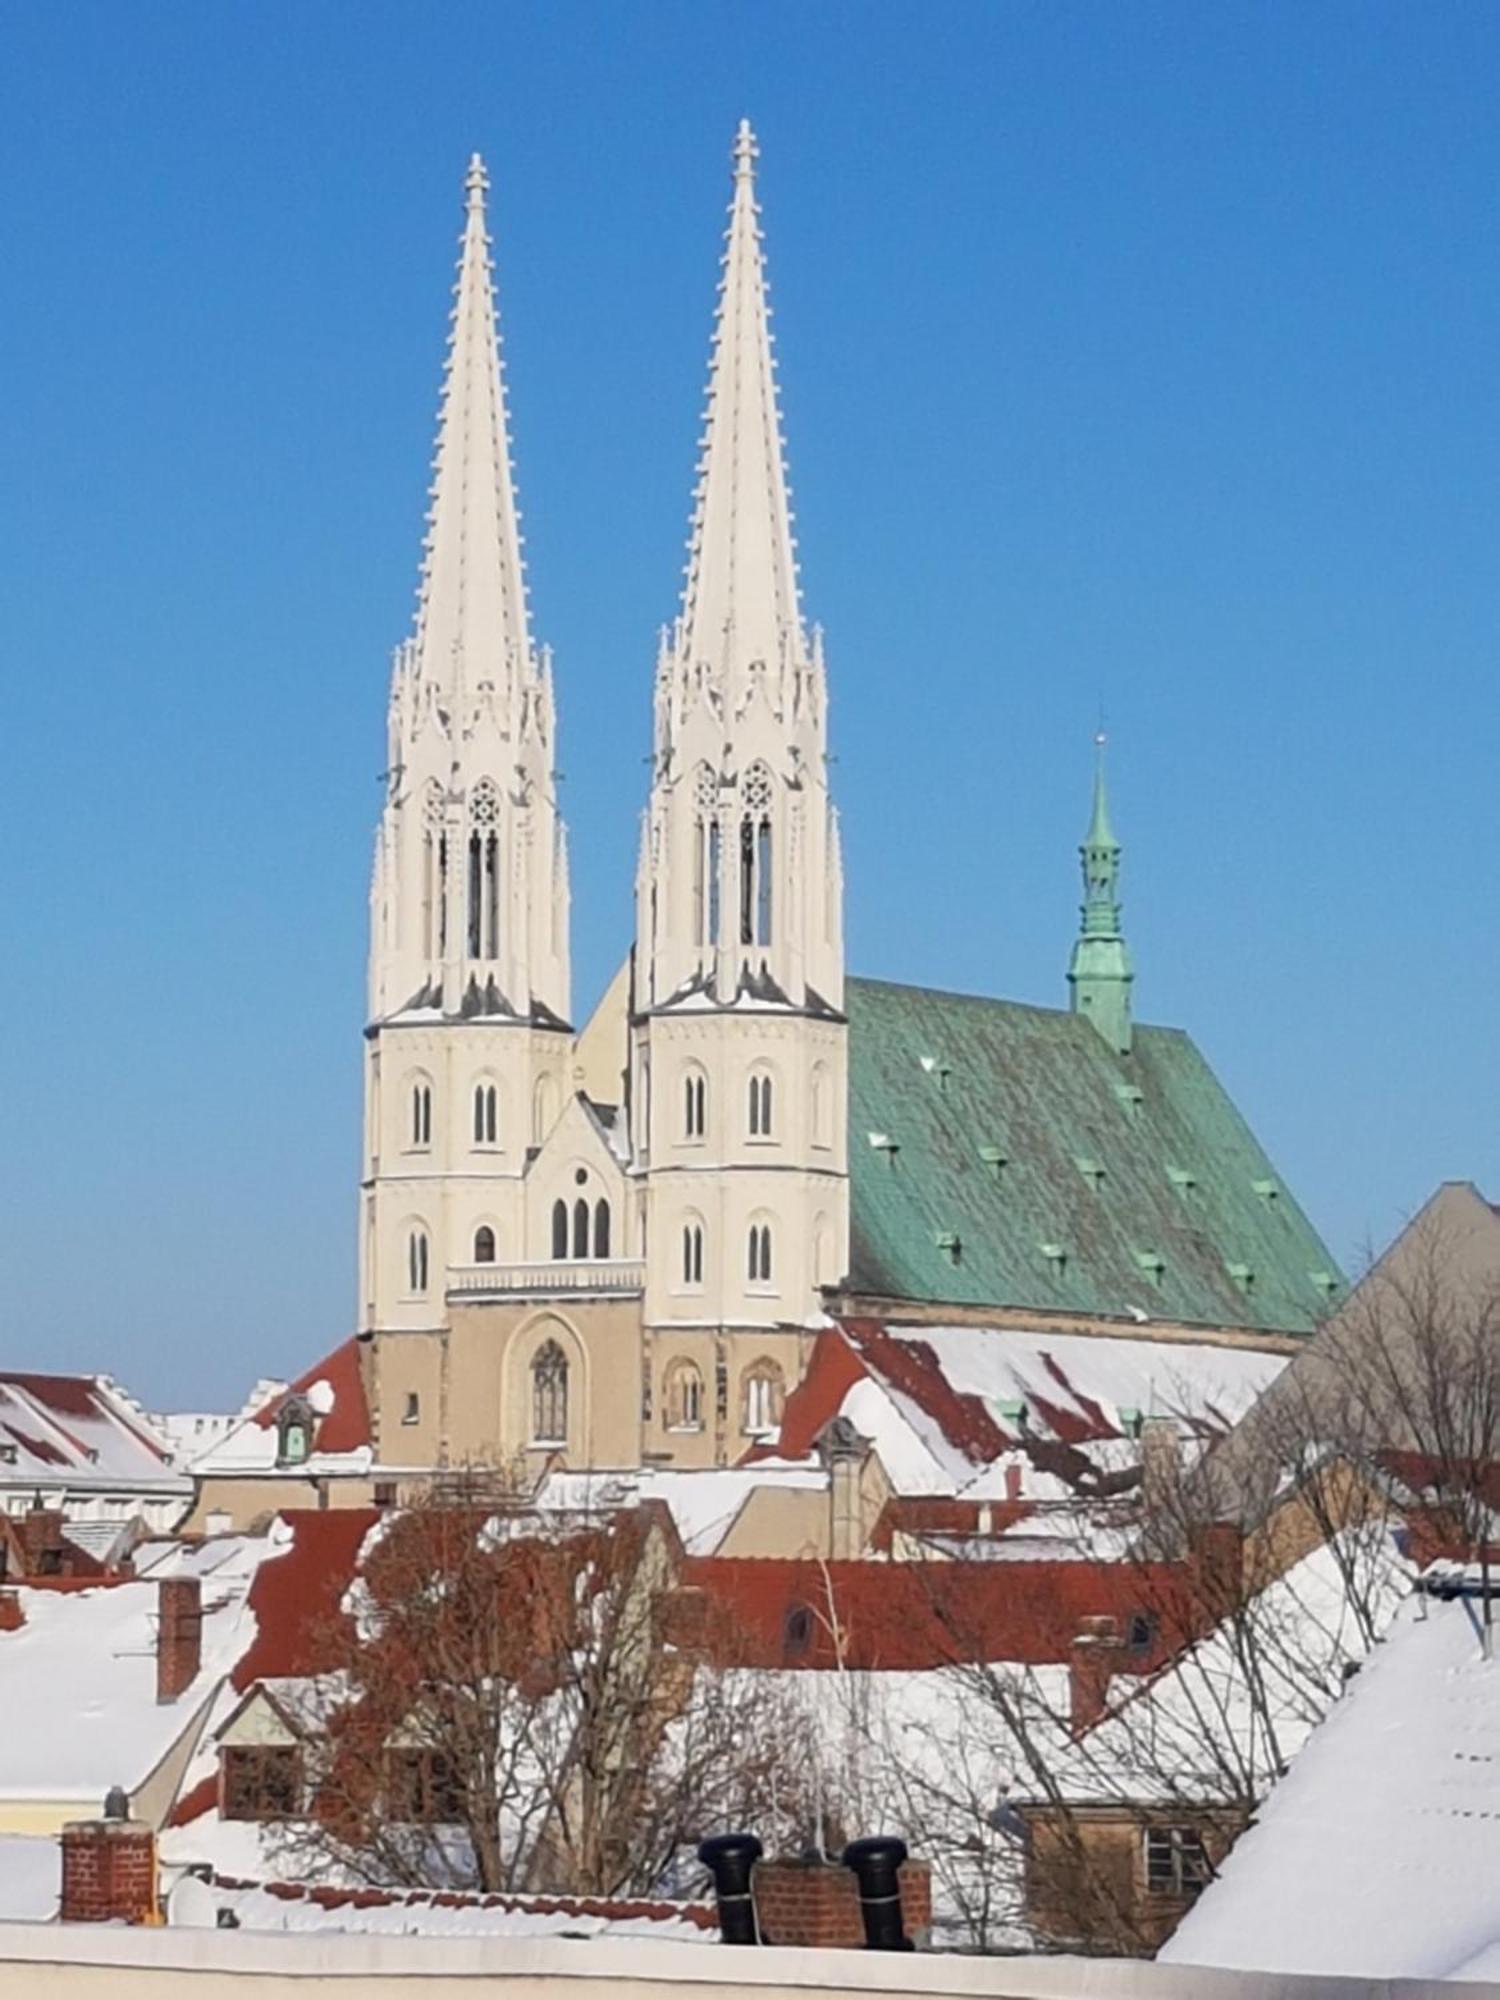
1006	1155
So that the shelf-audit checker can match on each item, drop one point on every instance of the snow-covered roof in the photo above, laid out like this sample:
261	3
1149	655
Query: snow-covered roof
30	1877
79	1675
1379	1853
298	1906
333	1392
79	1431
704	1505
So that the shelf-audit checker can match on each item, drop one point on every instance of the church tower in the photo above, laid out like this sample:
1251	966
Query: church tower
1099	973
738	1065
467	1049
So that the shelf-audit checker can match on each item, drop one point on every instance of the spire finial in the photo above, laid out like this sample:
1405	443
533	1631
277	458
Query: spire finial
1099	974
746	152
477	181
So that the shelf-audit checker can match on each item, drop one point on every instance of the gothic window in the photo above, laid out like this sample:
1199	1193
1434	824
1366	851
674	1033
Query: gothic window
692	1252
434	873
705	856
549	1395
763	1395
416	1262
758	1254
822	1133
486	1114
580	1228
559	1229
601	1228
484	1244
695	1104
760	1105
755	857
484	871
421	1114
684	1397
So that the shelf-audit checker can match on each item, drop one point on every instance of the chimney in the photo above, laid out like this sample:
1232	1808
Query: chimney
1161	1466
108	1870
1091	1663
844	1452
12	1611
42	1542
808	1902
730	1858
179	1635
1219	1556
876	1865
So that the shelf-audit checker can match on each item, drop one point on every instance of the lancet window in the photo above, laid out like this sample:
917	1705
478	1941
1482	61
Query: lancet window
756	871
484	871
549	1395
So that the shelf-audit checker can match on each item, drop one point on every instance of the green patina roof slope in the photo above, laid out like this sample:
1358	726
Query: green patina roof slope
1136	1168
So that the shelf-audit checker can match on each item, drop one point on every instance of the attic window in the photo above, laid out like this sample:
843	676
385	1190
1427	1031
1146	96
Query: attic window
8	1454
1177	1862
294	1428
1267	1190
1243	1276
1326	1283
1185	1183
1056	1256
994	1158
1092	1172
882	1142
1152	1263
1130	1095
949	1241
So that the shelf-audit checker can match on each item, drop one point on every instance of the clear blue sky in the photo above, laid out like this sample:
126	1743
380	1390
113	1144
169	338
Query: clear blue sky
1144	356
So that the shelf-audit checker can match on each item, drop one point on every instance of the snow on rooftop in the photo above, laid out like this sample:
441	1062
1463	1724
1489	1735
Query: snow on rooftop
77	1430
704	1504
1379	1853
428	1913
30	1877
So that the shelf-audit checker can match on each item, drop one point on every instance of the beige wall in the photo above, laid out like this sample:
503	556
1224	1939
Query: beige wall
247	1501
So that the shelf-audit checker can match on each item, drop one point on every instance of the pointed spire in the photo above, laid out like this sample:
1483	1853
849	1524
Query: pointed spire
471	617
1099	974
740	600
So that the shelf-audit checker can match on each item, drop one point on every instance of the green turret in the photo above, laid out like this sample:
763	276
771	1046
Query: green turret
1099	973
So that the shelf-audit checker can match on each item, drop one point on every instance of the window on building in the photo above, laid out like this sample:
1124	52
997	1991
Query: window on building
705	857
1177	1862
486	1114
416	1262
684	1397
758	1254
484	871
692	1253
412	1414
695	1105
760	1105
543	1109
763	1396
262	1781
559	1229
421	1114
549	1395
294	1431
581	1227
755	857
601	1228
423	1788
484	1244
434	874
796	1631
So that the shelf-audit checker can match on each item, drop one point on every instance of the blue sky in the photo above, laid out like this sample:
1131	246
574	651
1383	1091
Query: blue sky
1140	358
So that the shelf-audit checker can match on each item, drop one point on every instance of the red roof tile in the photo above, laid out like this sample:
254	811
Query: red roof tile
347	1425
296	1597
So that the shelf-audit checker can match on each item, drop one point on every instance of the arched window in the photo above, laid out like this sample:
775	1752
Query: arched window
416	1262
580	1228
421	1114
543	1109
758	1256
484	871
822	1104
705	857
692	1253
486	1114
694	1104
684	1396
760	1105
763	1395
484	1244
434	874
755	857
294	1431
601	1228
549	1395
559	1229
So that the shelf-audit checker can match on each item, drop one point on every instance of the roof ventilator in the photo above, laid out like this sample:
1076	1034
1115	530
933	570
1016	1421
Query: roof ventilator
1092	1172
994	1158
1056	1256
882	1142
1152	1263
949	1241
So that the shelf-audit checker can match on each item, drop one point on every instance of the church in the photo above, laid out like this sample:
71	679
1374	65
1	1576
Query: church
616	1244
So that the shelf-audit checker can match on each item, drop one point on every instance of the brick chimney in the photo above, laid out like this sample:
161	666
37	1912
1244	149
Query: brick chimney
1219	1557
816	1903
1091	1664
845	1453
1161	1467
43	1545
179	1635
12	1611
108	1872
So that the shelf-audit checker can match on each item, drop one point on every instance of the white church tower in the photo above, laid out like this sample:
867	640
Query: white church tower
738	1076
468	1048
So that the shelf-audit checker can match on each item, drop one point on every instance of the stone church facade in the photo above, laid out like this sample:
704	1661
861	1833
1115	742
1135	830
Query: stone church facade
614	1246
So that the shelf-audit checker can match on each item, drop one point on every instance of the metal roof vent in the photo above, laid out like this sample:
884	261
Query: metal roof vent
949	1240
1056	1256
1152	1263
1243	1276
994	1158
1130	1422
939	1069
1184	1182
1131	1096
882	1142
1326	1283
1266	1189
1092	1172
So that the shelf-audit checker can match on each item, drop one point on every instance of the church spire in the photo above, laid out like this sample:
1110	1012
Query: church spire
1099	974
471	619
739	605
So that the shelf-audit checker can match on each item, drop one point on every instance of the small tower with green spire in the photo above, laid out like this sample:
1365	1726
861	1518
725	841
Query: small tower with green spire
1099	973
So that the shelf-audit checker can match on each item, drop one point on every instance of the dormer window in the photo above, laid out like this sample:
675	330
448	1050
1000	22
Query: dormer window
294	1431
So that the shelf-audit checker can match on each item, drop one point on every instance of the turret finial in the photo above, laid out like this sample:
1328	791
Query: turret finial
745	152
1099	974
477	181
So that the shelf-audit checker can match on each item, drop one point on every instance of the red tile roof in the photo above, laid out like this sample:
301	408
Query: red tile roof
347	1425
296	1597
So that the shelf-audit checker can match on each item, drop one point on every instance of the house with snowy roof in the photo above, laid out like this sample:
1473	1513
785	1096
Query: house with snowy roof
80	1447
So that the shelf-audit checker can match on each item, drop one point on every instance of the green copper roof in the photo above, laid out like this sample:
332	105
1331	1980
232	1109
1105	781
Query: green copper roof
1001	1154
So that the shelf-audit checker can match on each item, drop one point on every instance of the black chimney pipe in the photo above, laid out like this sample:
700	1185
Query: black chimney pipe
876	1864
729	1858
